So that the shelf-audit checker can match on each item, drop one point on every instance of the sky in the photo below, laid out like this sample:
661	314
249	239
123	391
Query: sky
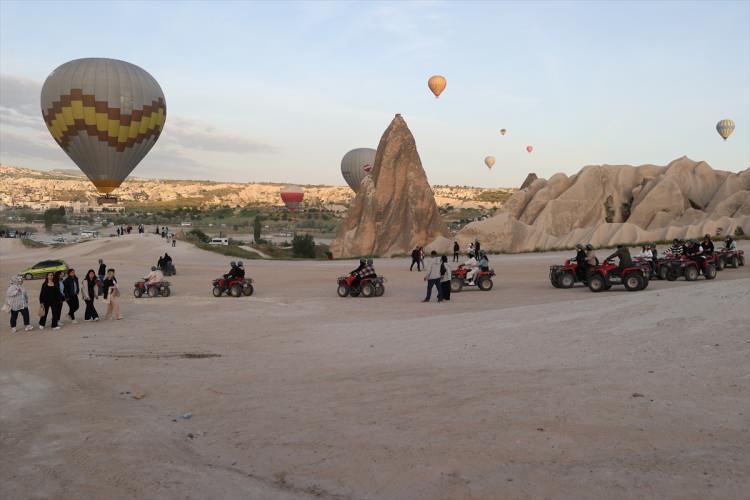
280	91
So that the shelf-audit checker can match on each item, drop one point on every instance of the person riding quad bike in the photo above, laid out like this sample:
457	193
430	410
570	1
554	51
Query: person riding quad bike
484	263
623	254
729	243
695	252
155	276
678	247
240	270
580	263
708	245
232	274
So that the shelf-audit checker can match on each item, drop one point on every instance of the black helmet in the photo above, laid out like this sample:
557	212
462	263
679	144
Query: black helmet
589	246
707	237
233	264
239	263
369	262
579	246
362	261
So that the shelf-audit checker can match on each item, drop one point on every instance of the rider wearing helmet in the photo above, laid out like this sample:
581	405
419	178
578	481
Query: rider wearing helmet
240	270
354	274
591	260
155	276
580	262
232	271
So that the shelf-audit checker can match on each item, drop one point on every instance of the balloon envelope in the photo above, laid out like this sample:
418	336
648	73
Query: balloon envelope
725	128
356	165
529	148
106	114
437	84
489	161
292	196
503	131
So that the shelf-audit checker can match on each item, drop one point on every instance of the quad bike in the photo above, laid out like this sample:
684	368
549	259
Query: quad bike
142	288
687	267
481	279
646	263
731	257
603	276
566	275
367	287
236	287
168	269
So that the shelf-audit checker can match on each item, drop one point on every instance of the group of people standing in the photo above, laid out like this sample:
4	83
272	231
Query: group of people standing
62	288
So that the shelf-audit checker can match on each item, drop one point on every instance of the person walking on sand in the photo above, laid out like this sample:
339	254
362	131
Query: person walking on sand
433	276
102	270
111	295
88	291
421	255
456	250
60	280
49	300
17	300
72	289
445	277
415	260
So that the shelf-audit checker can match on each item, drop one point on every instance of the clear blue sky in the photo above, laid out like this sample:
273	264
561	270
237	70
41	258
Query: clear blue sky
280	91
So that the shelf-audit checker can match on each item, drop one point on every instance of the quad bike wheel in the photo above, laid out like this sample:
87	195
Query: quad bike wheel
166	291
691	273
633	282
597	283
248	290
137	293
379	290
217	291
235	290
485	284
153	291
342	290
457	284
646	280
709	272
367	290
554	281
663	272
354	293
741	260
721	263
735	261
567	280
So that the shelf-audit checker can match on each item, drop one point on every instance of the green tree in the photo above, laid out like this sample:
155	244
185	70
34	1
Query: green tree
54	216
257	228
303	246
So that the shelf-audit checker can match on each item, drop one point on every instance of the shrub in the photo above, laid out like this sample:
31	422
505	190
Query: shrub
257	228
303	246
197	234
739	232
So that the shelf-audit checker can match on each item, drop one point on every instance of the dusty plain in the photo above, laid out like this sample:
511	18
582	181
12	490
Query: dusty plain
525	391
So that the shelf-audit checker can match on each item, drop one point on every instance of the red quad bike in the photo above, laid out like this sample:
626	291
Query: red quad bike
689	268
730	257
602	277
645	263
367	287
236	287
564	276
482	279
141	288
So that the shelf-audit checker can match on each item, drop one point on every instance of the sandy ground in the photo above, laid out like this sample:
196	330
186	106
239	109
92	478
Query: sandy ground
525	391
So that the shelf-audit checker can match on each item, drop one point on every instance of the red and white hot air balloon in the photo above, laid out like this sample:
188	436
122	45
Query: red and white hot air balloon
529	148
292	196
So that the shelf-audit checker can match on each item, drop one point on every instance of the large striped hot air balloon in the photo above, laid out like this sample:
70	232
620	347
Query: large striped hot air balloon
292	196
725	128
356	165
105	114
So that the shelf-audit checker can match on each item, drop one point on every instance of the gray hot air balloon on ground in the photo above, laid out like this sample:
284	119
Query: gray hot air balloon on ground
356	165
105	114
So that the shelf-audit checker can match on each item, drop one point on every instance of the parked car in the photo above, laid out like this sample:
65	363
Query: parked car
40	269
219	241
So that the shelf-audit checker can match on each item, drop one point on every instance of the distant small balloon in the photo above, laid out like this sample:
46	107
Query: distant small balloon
725	128
529	148
489	161
503	131
437	84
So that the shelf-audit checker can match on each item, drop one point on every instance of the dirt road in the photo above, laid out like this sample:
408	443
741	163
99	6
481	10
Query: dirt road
525	391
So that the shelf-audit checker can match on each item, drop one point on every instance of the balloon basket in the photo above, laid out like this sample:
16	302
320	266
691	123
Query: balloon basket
107	200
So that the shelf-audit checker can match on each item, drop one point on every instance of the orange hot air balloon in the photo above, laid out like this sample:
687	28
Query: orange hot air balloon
529	148
437	84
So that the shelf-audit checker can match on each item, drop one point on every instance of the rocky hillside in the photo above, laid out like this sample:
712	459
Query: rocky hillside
27	185
609	204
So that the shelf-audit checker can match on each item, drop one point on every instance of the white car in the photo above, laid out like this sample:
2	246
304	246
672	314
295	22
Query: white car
219	241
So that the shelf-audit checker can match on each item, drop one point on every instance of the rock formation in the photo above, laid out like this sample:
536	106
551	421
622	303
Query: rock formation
606	205
529	179
394	209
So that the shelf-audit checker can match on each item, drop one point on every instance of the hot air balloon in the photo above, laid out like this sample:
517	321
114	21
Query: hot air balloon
725	128
529	149
437	84
292	196
502	131
356	165
489	161
105	114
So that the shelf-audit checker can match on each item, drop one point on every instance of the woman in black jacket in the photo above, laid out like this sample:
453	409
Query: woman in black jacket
89	292
50	298
72	289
